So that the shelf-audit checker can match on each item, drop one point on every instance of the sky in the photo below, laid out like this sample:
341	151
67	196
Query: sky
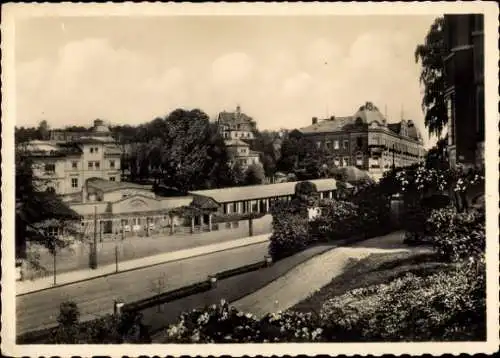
281	70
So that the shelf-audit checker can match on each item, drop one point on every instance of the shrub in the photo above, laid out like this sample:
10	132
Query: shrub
457	235
126	328
224	324
290	235
338	220
443	306
374	208
214	324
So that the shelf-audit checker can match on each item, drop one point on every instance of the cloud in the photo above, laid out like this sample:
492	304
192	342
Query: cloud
297	85
321	52
231	69
281	87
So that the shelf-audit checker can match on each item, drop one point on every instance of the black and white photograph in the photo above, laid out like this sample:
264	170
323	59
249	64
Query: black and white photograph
224	178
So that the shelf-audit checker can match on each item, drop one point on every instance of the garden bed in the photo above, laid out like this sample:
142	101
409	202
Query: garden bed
373	270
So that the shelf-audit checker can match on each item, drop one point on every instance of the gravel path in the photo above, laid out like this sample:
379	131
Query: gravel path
305	279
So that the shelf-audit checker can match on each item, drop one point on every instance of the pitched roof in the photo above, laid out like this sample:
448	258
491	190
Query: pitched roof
328	125
226	195
234	117
106	185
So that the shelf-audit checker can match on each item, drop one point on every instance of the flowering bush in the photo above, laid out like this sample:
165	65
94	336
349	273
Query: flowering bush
443	306
224	324
214	324
338	220
457	235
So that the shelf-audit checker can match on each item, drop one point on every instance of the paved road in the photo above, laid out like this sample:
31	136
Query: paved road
134	248
39	310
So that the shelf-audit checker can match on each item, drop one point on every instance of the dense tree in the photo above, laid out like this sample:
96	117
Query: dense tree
431	54
43	130
254	175
300	155
23	135
37	209
264	143
436	156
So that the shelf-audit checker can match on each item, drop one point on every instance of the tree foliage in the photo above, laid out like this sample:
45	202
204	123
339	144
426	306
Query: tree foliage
299	154
254	175
431	56
182	150
35	207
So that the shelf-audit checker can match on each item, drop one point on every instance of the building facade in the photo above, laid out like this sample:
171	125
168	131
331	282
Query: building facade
240	153
464	93
236	125
120	209
367	141
64	166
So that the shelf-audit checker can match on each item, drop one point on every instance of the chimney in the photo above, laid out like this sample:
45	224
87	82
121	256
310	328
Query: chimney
332	118
315	120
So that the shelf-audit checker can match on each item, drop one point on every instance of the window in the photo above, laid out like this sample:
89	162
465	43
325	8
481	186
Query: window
92	150
111	178
74	165
53	231
111	163
318	144
359	141
96	149
328	145
346	161
50	190
74	182
50	168
97	165
346	143
336	144
91	165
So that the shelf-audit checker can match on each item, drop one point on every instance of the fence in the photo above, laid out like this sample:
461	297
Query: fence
117	249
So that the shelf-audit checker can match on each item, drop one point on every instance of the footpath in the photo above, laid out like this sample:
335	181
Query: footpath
28	286
302	281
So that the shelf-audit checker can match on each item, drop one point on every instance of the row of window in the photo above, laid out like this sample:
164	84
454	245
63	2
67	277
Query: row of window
74	181
236	135
96	164
94	149
336	144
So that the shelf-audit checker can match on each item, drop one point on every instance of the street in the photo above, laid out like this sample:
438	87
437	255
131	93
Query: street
136	247
39	310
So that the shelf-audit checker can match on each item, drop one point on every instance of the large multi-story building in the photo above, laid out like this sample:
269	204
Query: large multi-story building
464	93
367	141
65	166
236	125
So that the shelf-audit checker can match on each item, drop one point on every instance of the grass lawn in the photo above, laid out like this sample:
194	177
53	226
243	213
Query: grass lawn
373	270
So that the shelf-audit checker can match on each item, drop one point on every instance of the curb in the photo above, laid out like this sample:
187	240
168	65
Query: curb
142	267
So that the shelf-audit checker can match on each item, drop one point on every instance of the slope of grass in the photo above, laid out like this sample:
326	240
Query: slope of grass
373	270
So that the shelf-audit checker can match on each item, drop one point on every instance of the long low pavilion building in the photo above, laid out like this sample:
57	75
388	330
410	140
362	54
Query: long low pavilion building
259	198
112	208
